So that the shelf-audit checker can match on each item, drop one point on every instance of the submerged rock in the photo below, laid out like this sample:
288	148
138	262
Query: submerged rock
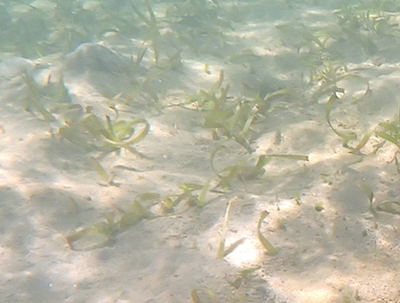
107	71
95	57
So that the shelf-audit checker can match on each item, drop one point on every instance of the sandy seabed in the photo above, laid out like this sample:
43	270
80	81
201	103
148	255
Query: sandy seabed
340	252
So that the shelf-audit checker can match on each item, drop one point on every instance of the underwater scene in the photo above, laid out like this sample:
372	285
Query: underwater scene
199	151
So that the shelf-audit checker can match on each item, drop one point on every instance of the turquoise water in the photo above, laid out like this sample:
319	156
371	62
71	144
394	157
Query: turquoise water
128	126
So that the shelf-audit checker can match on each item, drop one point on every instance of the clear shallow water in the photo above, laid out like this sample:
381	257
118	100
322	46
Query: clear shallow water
105	103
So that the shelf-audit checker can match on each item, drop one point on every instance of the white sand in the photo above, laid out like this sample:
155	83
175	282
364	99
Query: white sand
49	188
